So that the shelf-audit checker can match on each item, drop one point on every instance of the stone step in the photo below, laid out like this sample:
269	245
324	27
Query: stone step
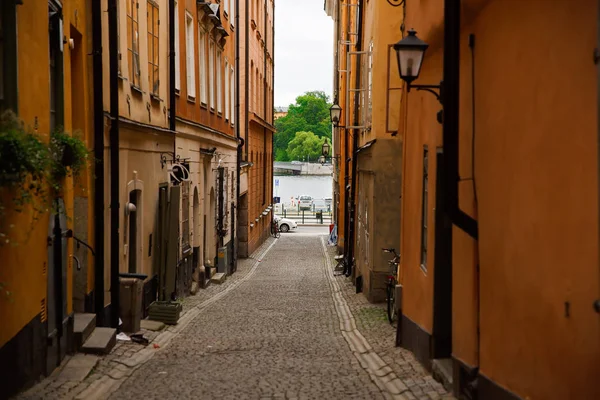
218	278
83	326
442	371
101	341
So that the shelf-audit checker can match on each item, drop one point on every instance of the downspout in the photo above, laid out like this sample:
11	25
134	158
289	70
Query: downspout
451	118
99	165
272	116
597	61
355	144
336	131
114	161
247	89
234	235
172	100
265	51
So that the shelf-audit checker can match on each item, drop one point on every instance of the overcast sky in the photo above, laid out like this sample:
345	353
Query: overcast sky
303	49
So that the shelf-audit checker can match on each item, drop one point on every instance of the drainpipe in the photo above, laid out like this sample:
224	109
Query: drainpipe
597	60
352	219
265	51
234	236
99	165
451	118
172	65
247	89
114	161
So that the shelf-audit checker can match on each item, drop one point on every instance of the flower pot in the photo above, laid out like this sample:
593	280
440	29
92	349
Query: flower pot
165	311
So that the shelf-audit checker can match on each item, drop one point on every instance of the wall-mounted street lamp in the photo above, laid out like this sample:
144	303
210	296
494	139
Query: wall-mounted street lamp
335	112
410	52
325	148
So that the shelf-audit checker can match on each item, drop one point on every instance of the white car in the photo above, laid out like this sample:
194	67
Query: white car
305	202
285	225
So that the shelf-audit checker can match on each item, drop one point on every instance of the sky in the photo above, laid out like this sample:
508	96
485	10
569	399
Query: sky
303	49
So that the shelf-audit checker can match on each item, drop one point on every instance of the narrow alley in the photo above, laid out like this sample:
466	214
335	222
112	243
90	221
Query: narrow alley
277	334
282	327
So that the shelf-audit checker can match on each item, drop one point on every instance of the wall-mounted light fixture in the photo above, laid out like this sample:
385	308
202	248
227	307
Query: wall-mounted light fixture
335	111
410	52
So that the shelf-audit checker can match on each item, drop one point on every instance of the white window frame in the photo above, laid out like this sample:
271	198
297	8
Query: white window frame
232	15
211	72
177	56
219	82
232	90
190	56
226	89
202	63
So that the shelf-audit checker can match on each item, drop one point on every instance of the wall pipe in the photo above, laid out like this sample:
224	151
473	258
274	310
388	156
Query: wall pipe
352	211
238	161
172	101
451	117
246	88
113	50
99	164
597	61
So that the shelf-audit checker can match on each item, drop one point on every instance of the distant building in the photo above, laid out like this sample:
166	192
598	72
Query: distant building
280	112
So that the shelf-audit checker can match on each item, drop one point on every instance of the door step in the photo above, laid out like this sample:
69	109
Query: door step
83	326
218	278
101	341
442	371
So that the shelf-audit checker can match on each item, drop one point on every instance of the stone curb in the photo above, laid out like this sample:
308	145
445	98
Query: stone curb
109	383
379	371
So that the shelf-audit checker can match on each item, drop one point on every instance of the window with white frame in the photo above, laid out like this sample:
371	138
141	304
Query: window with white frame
211	72
133	43
190	57
232	19
226	8
177	58
202	63
232	90
219	83
226	91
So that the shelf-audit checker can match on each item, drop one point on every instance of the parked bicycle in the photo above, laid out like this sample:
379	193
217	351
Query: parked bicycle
391	285
275	229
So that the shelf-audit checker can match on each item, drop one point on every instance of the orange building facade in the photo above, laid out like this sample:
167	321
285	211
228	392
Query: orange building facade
256	123
510	290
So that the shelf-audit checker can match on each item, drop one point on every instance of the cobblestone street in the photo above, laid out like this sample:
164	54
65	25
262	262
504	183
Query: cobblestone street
281	327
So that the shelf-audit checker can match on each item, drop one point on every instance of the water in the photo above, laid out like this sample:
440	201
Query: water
317	187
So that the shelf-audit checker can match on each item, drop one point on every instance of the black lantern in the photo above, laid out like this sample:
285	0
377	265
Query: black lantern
335	111
410	52
325	148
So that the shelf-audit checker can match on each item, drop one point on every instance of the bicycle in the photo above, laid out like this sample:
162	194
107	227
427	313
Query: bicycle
391	285
275	229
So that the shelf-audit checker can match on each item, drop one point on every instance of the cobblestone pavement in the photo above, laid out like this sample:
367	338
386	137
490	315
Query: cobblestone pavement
371	321
281	327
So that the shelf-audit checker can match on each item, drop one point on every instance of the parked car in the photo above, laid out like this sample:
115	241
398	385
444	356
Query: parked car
305	202
284	224
320	205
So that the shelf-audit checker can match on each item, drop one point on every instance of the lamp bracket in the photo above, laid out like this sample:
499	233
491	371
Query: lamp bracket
429	88
174	159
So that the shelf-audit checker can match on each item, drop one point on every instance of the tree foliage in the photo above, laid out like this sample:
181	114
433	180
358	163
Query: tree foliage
310	113
305	145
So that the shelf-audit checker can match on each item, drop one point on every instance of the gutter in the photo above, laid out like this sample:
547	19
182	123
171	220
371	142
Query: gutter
99	165
114	161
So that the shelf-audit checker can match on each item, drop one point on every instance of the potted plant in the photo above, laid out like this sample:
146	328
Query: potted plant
167	312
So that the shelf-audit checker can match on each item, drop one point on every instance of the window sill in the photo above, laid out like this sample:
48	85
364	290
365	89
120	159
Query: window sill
136	89
191	99
155	98
212	110
219	114
177	93
204	105
253	23
424	269
121	77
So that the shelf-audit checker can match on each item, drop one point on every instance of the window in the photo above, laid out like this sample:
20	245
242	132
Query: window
177	57
119	38
202	63
226	8
232	19
232	90
219	83
153	54
133	42
424	209
211	72
369	76
226	91
190	57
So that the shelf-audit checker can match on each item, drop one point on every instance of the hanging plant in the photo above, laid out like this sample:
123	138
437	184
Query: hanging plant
23	164
69	157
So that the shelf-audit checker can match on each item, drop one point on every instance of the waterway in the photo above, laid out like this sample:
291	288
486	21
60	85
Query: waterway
288	186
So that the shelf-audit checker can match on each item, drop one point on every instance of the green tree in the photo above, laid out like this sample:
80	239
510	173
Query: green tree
310	113
305	145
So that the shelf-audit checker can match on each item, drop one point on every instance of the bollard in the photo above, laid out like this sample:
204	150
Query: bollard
284	213
302	217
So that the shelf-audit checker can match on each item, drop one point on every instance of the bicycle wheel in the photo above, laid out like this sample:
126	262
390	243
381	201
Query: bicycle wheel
277	234
391	302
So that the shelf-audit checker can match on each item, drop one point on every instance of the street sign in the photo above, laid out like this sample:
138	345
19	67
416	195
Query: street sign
276	182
